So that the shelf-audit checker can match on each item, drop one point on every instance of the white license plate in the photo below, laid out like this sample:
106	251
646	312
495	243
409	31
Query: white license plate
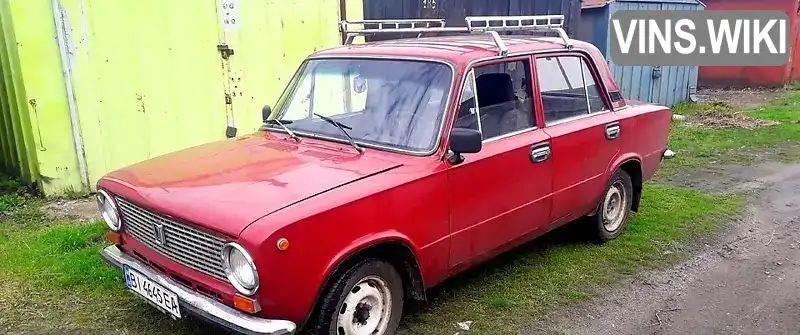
157	294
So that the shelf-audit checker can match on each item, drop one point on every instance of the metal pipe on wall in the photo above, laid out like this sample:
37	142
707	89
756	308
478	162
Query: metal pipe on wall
343	16
66	66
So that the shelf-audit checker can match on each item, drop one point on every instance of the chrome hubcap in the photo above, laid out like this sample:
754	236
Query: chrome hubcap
614	206
366	309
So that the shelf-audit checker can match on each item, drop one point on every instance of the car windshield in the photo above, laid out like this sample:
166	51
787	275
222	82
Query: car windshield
397	104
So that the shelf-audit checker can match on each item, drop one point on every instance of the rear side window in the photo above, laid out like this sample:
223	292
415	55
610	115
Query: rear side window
568	88
593	92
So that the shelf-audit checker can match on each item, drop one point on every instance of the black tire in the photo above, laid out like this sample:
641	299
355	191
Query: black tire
598	229
325	320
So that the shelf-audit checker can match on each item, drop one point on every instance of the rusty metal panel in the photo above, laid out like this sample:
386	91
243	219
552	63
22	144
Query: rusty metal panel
725	76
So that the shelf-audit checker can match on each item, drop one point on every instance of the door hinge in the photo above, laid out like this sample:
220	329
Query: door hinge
225	50
228	99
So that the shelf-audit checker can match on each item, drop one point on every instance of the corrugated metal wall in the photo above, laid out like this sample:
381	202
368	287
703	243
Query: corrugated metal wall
454	11
148	77
666	85
17	147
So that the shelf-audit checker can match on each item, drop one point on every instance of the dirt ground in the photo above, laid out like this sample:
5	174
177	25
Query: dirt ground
712	119
83	209
743	98
747	281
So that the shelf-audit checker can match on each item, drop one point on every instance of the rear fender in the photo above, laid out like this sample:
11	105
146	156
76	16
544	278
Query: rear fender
616	164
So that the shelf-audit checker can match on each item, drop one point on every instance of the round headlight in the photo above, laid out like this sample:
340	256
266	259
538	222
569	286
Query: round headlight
108	210
240	269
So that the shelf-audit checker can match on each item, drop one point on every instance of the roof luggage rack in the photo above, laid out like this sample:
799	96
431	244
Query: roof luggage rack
491	25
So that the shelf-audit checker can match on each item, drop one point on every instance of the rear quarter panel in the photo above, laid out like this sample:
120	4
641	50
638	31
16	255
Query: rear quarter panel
407	205
644	134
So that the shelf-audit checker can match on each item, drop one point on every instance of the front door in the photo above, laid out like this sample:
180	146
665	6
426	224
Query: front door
584	132
503	192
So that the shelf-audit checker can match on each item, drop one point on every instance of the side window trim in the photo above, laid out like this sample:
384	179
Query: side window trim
468	82
584	59
475	96
599	83
586	85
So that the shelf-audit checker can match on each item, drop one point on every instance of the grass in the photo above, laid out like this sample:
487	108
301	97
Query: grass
53	281
82	294
8	197
9	202
504	294
702	147
8	183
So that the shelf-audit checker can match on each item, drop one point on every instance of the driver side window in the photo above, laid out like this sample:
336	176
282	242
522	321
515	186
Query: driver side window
496	99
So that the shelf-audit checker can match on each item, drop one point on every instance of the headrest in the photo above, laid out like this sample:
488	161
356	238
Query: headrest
494	88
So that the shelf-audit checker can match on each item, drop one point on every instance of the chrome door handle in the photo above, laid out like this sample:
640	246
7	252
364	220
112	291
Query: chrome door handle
540	152
612	131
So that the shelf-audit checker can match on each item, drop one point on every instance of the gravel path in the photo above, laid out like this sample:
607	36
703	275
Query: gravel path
748	282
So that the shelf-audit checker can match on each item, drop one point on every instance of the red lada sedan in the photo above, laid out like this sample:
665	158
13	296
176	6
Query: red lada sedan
383	169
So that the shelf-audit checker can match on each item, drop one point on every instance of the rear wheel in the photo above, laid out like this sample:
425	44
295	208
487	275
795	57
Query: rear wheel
366	300
614	209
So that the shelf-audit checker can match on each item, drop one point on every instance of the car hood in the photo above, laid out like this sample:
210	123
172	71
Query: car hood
227	185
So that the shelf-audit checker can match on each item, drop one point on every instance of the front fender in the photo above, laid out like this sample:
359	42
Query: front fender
400	207
390	236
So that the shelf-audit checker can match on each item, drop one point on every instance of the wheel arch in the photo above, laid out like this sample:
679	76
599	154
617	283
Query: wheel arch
633	166
395	250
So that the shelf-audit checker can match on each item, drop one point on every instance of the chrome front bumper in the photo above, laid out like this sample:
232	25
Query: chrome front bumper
200	305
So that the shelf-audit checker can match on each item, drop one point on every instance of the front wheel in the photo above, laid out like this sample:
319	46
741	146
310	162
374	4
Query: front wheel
366	300
614	209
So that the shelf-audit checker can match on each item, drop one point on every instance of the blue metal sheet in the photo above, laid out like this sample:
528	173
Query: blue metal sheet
665	85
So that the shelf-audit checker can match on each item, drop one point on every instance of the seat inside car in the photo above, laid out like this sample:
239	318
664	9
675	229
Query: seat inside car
498	105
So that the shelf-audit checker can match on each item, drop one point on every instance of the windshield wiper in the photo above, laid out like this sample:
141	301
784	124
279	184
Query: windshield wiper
342	127
283	125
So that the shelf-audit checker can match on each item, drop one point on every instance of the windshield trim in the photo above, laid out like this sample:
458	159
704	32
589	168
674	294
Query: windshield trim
294	84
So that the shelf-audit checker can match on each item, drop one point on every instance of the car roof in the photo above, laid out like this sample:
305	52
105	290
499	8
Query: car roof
463	49
457	49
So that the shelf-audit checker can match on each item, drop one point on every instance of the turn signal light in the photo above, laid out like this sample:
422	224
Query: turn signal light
246	304
115	238
283	244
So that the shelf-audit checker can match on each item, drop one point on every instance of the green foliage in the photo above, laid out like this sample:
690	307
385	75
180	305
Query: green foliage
10	201
9	184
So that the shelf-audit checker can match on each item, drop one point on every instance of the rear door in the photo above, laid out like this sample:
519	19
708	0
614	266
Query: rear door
583	130
503	192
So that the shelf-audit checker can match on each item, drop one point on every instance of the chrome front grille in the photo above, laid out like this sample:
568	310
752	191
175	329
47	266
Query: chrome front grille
183	244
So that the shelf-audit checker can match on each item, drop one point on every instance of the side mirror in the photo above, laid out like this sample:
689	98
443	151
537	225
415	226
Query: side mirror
464	141
265	113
